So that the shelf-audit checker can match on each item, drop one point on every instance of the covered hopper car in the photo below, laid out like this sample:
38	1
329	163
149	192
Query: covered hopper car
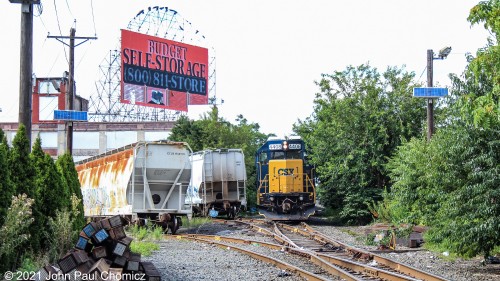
142	181
219	181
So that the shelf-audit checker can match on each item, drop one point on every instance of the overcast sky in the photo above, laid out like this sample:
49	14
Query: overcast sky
268	53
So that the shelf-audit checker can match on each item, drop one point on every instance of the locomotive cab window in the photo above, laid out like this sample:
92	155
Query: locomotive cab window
263	158
293	155
278	155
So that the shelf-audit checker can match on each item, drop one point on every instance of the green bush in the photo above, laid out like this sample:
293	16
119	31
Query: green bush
29	265
15	231
62	236
450	184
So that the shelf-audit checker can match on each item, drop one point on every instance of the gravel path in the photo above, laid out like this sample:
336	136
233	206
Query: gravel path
187	260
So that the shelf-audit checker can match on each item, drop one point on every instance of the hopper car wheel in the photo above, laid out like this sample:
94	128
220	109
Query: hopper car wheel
174	225
231	214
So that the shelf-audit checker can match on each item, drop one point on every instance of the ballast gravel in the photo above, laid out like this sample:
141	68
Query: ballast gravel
436	263
186	260
180	260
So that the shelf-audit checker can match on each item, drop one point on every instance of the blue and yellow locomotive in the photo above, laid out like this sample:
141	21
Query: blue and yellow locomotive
285	186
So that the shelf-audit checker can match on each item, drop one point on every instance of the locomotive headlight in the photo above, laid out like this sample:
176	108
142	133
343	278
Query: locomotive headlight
285	145
271	198
301	198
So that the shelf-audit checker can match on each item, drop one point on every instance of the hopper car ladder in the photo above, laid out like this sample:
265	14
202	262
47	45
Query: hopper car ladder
208	189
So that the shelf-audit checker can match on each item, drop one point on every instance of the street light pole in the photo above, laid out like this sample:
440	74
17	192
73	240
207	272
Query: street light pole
443	53
430	104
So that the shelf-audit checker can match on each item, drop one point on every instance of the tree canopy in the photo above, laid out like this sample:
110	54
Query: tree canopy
213	132
481	95
7	189
69	177
360	117
451	183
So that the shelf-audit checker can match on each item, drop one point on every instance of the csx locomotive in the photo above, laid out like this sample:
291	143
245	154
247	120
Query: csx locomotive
285	180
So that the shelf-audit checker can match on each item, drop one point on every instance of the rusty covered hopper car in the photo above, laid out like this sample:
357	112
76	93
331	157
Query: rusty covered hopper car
142	181
219	178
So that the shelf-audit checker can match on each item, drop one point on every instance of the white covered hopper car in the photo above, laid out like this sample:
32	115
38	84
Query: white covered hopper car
142	181
218	181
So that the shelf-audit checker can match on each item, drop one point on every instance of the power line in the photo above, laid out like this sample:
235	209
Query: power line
422	73
55	61
60	31
93	18
67	5
83	56
40	11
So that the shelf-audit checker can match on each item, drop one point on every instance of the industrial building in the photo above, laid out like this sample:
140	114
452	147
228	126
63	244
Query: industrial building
89	138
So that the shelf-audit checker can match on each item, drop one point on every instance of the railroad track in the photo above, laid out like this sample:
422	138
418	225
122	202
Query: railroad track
254	249
336	257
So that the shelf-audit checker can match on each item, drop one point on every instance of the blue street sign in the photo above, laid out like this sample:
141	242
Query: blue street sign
70	115
430	92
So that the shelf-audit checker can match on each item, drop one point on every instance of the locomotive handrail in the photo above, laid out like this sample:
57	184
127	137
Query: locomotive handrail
264	183
307	180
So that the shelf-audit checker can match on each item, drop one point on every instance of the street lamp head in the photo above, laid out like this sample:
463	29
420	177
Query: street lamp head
444	52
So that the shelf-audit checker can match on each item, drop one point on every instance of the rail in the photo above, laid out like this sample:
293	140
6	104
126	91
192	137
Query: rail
394	271
218	240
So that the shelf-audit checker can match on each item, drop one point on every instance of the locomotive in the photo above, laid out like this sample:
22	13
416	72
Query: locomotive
285	180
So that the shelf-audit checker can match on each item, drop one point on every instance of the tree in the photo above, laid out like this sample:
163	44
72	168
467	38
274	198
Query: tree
53	194
22	174
7	190
67	171
481	99
21	168
188	131
451	183
360	117
212	132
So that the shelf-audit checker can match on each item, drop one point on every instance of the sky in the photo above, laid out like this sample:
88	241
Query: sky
268	53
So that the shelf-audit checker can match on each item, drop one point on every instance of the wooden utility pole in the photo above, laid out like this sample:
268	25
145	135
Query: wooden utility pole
70	90
26	63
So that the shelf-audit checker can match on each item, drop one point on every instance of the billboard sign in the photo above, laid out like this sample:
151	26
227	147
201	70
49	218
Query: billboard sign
162	73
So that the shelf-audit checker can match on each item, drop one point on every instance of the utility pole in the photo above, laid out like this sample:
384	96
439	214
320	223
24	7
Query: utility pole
26	64
430	105
69	99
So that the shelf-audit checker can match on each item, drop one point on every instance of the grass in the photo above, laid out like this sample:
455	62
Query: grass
197	221
148	233
144	238
350	232
144	248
